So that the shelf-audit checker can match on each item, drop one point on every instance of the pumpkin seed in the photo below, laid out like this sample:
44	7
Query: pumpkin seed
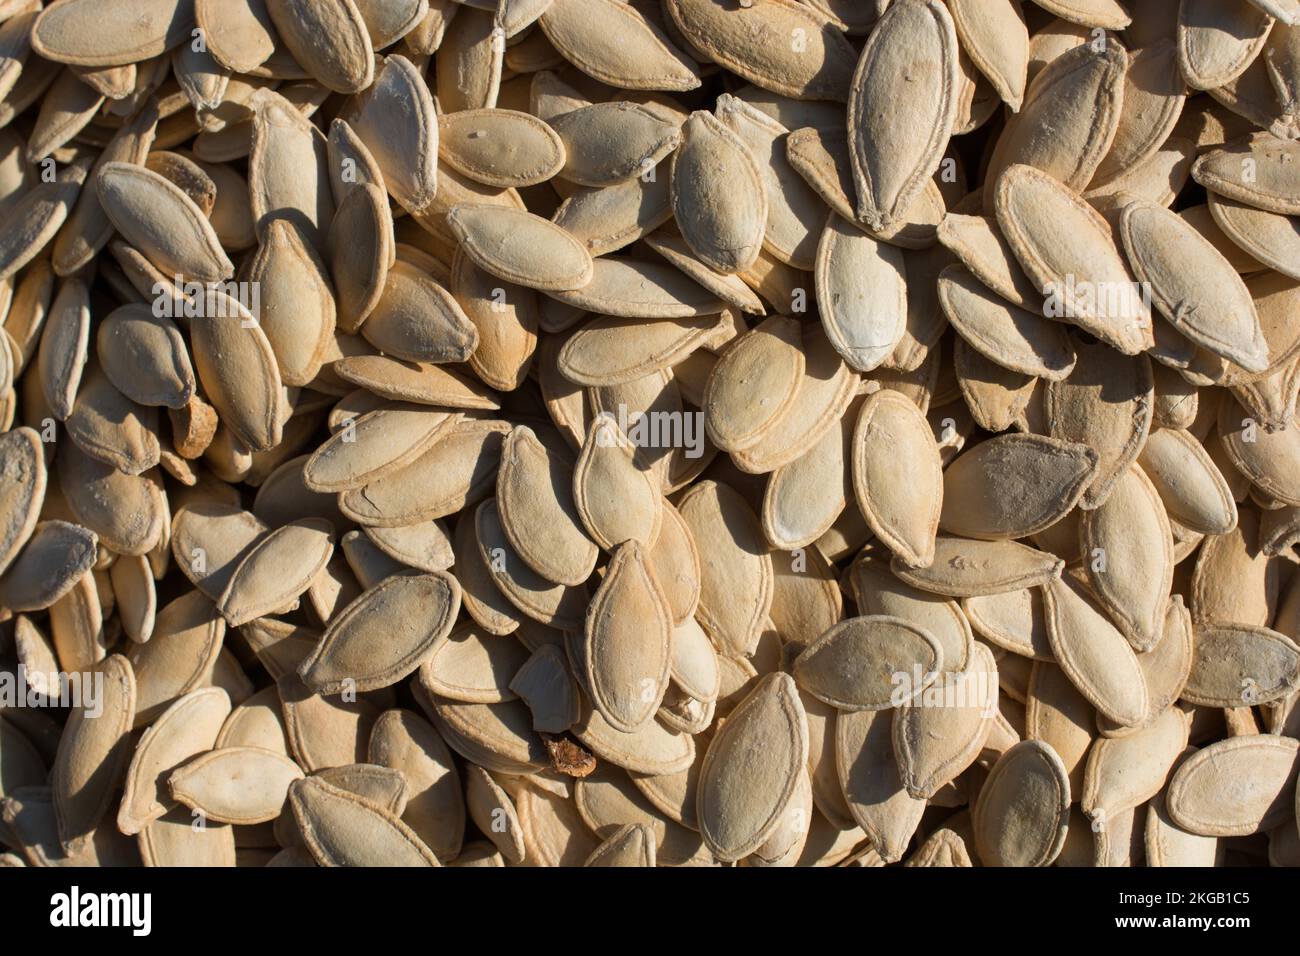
1021	815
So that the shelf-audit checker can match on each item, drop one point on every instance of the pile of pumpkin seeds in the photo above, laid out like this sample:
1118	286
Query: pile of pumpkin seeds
661	432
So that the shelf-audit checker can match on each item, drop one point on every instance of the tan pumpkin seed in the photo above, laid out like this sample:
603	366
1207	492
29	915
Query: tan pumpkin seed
419	320
39	214
617	501
187	728
161	221
1080	255
605	219
127	512
385	634
241	785
424	545
616	44
754	384
330	40
1235	787
770	723
458	470
1167	845
1012	337
1093	13
145	357
499	737
1069	122
1129	546
871	782
468	666
935	741
108	426
236	367
361	252
735	37
520	247
1266	237
419	382
735	568
853	666
23	481
376	445
626	667
342	829
1218	41
964	568
633	844
996	397
794	212
323	733
1233	581
536	504
982	249
904	516
181	655
1106	403
277	570
803	498
298	311
434	809
539	598
730	289
900	119
863	287
288	171
676	561
470	62
399	100
1255	171
825	393
123	31
1012	620
54	558
1094	654
1237	665
1125	772
1012	486
1022	811
64	348
1061	717
718	196
1192	285
635	288
608	143
612	351
501	148
994	36
93	754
